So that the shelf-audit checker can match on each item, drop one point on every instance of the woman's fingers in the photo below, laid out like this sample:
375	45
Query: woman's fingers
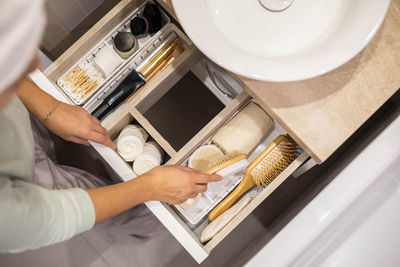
193	195
100	129
97	126
78	140
201	188
101	139
202	178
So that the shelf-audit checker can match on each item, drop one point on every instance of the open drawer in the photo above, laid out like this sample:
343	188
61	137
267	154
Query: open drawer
151	106
187	234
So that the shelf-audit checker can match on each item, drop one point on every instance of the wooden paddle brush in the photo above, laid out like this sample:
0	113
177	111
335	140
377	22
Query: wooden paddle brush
261	172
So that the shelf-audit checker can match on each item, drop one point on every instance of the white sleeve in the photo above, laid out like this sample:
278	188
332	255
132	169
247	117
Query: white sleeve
32	216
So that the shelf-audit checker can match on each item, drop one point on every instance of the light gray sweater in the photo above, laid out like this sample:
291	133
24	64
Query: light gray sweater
31	216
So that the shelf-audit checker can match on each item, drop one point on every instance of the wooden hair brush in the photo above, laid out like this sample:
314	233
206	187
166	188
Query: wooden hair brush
261	172
224	161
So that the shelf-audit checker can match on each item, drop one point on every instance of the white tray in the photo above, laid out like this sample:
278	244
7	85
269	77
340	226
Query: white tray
135	63
124	26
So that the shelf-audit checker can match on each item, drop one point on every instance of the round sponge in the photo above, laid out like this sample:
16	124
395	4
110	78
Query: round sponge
138	26
153	15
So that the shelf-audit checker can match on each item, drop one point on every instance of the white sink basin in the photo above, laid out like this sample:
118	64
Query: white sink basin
307	39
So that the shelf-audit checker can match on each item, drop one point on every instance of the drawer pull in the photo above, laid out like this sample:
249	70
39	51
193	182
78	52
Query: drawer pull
219	82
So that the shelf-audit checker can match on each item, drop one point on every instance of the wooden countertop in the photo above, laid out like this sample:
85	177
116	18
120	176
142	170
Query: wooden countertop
323	112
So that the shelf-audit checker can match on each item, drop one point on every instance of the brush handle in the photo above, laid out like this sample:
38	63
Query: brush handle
150	67
226	164
246	184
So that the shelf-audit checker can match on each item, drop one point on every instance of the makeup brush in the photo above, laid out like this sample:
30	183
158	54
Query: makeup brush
178	50
162	55
156	66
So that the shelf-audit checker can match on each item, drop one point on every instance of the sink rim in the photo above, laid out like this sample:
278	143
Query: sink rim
312	62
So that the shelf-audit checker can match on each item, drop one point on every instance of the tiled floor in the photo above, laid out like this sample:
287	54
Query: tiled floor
62	45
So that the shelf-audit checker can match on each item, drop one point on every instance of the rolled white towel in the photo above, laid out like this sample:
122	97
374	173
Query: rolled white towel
151	157
130	142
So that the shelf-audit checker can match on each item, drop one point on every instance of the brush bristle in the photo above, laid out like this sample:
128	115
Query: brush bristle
202	156
224	158
274	163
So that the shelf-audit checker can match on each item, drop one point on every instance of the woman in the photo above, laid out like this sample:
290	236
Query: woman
32	216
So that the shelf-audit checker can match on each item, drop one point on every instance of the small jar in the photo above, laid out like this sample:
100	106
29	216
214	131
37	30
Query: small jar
125	44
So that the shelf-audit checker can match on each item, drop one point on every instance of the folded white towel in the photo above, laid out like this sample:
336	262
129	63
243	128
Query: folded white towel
151	157
130	142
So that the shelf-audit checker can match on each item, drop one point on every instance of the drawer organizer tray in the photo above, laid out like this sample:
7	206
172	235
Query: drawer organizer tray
165	35
217	191
88	59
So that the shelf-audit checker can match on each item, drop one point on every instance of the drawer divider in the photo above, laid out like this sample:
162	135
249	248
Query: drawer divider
209	129
153	132
162	82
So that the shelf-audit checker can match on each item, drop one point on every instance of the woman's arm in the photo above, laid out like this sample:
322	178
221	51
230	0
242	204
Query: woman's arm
33	216
72	123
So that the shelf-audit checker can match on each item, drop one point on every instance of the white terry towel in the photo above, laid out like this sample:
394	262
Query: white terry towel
151	157
245	131
130	142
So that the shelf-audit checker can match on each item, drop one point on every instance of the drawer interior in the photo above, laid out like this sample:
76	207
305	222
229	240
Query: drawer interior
155	118
258	195
183	111
133	118
202	137
179	157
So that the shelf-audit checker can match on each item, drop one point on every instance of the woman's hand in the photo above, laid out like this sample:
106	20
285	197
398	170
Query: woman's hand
175	184
73	123
172	184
